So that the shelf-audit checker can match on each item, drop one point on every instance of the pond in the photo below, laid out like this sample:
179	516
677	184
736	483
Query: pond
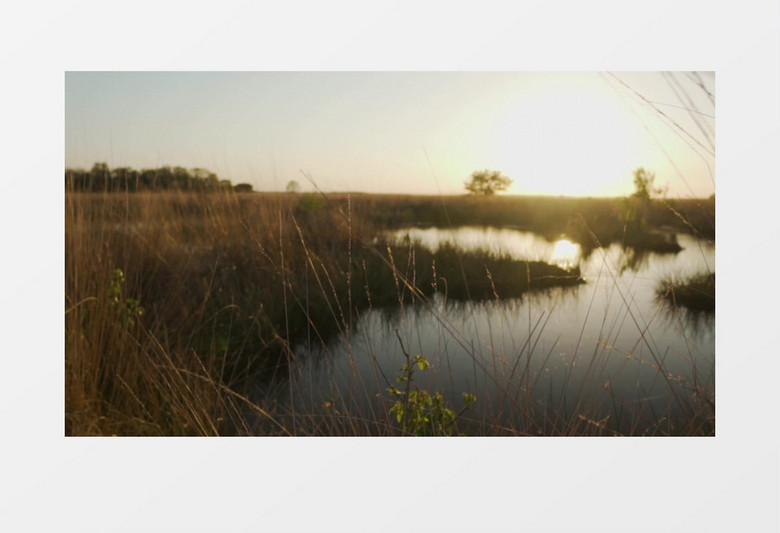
605	347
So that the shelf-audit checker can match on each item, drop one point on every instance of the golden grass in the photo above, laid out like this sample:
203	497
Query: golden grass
228	282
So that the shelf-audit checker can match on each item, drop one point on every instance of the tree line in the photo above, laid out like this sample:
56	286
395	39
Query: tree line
101	178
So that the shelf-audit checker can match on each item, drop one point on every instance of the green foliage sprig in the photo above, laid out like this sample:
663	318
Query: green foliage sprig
418	411
128	309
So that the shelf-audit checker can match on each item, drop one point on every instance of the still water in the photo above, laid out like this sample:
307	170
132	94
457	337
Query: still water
599	343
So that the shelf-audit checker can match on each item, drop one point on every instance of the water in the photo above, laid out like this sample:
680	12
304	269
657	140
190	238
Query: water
597	345
518	244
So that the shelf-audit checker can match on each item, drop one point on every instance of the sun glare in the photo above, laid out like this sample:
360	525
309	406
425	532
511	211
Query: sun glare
570	139
566	254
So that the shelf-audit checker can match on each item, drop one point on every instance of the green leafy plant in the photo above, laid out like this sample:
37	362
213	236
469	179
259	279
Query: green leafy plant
128	309
418	411
311	202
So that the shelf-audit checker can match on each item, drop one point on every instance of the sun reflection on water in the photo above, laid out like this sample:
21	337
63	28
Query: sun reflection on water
566	254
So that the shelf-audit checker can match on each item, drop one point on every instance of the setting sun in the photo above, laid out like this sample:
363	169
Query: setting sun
568	138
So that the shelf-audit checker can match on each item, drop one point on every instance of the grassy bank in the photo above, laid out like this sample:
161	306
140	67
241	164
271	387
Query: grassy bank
589	221
695	293
175	303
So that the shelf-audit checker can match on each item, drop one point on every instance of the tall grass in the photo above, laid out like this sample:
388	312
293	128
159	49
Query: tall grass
231	285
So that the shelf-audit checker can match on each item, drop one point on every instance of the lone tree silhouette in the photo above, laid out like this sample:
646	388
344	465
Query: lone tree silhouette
644	181
636	207
487	182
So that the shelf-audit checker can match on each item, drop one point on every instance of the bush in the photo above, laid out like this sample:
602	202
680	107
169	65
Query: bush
487	182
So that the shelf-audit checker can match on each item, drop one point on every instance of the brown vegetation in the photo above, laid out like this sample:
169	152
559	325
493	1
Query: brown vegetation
214	289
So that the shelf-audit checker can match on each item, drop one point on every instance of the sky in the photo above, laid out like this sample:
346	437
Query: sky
554	133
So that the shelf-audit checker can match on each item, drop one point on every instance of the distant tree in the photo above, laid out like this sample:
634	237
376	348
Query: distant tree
487	182
125	179
636	208
643	182
199	173
77	180
165	178
100	177
293	187
243	187
181	178
149	179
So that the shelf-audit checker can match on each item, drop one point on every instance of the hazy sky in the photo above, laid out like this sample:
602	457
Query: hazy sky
580	133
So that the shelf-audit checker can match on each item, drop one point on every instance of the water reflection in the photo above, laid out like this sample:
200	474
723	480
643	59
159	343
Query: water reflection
601	343
697	324
566	254
522	245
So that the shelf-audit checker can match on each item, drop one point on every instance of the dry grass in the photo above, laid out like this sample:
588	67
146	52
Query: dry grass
696	293
230	282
